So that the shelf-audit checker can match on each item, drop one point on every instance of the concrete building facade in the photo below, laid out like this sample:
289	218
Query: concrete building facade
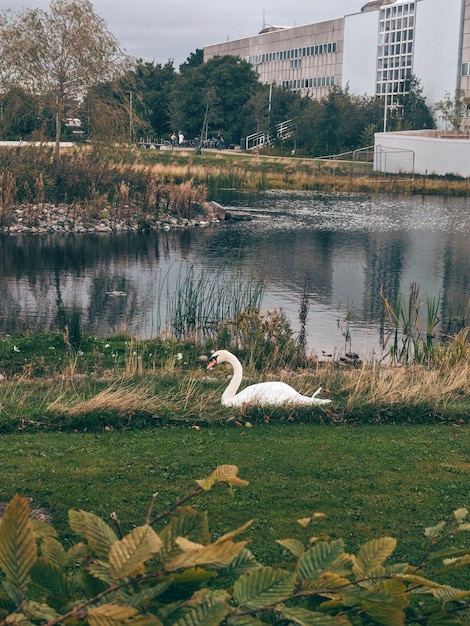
371	52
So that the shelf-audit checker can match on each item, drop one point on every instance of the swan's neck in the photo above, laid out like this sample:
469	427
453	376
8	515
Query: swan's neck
234	384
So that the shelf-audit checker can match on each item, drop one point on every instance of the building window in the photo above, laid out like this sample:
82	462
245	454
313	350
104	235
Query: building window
465	69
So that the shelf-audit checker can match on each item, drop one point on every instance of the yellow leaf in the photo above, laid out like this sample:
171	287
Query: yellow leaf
235	533
187	545
222	474
133	550
215	555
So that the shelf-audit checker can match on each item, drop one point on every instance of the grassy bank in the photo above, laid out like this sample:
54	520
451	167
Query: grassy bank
124	383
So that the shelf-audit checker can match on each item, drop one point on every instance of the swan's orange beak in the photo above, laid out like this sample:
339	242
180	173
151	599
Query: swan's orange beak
211	363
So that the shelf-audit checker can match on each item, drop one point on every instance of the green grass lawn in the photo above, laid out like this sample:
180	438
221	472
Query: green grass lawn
369	480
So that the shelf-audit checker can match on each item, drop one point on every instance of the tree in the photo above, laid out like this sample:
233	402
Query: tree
416	113
58	55
152	84
453	110
19	115
231	82
194	59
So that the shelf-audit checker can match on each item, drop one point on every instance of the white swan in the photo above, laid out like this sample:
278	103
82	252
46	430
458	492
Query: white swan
271	393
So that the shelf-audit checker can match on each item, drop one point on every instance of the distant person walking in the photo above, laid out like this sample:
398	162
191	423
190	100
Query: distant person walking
180	139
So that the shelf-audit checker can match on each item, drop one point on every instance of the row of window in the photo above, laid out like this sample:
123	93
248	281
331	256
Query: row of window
307	83
388	26
296	53
397	11
397	74
390	88
401	61
395	49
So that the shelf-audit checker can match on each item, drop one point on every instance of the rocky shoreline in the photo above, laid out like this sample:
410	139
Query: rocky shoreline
51	218
63	218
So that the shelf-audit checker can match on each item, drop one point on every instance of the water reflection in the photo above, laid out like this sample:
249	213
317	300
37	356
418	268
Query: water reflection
351	247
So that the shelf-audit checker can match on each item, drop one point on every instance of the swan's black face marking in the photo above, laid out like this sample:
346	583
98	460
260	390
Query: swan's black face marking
212	362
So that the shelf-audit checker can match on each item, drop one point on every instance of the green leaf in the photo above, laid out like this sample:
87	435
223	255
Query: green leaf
242	563
303	617
99	535
75	554
373	554
49	576
210	612
385	604
293	545
319	558
244	620
17	543
101	570
43	529
142	598
187	523
444	619
263	587
52	550
133	550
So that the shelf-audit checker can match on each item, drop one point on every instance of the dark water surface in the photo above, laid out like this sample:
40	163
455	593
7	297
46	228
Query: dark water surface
349	246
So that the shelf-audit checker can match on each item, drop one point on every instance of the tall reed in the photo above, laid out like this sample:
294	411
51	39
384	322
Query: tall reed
202	300
402	325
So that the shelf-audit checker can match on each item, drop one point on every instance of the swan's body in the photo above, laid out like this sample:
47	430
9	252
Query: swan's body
271	393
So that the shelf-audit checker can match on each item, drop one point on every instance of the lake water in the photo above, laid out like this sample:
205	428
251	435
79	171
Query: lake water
348	246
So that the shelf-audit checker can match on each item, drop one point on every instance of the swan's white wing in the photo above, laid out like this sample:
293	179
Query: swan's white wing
272	394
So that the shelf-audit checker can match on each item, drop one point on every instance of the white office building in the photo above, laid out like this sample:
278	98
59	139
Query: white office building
371	52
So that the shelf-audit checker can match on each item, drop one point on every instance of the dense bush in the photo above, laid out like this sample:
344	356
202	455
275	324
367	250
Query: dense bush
177	575
89	179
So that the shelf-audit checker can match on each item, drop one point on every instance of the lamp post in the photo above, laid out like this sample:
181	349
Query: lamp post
385	107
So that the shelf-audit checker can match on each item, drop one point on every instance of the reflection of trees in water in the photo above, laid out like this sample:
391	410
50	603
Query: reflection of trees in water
455	313
98	272
385	259
282	260
93	267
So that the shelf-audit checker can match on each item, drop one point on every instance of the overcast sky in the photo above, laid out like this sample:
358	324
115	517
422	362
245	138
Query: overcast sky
159	30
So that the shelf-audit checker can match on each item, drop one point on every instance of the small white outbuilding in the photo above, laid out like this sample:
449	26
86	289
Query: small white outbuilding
423	152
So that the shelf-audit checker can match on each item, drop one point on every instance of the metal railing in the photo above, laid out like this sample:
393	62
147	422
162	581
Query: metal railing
283	130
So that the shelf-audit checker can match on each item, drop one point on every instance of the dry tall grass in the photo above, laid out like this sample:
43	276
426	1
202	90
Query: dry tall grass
410	385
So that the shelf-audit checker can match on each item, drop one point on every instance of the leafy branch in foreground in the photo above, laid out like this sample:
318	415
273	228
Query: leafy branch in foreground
160	578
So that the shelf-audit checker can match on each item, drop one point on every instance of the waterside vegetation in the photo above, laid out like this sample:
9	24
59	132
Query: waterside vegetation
124	382
136	187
